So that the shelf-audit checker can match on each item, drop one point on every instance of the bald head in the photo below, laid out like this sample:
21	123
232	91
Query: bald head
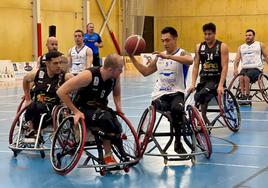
52	44
113	61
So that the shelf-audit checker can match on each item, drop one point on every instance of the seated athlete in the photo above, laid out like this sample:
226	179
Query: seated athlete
171	67
213	56
94	86
46	82
250	54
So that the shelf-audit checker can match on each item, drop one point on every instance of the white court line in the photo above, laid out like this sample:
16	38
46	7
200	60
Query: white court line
5	151
229	165
8	111
254	111
3	119
248	146
254	119
4	134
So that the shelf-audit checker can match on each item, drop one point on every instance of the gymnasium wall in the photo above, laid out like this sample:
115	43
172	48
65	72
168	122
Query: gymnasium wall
16	25
16	30
232	18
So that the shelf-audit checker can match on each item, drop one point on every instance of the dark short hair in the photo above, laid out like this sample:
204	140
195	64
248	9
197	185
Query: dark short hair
172	31
209	27
53	54
251	30
79	31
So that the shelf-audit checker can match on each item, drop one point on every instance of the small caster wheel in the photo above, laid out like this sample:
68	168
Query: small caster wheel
42	154
126	169
15	154
193	159
102	172
165	161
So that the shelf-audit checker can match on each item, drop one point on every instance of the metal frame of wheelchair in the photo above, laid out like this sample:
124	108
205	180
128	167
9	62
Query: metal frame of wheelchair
18	130
70	142
260	93
228	111
194	134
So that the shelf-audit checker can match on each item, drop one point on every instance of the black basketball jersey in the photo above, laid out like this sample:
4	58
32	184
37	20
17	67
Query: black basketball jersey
45	87
210	59
42	61
97	91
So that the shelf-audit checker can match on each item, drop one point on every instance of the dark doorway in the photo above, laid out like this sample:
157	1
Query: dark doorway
148	33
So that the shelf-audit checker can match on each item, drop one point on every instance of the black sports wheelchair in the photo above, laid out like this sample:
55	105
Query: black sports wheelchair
71	141
258	89
18	141
156	134
223	111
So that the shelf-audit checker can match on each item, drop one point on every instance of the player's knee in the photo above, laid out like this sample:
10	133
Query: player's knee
177	108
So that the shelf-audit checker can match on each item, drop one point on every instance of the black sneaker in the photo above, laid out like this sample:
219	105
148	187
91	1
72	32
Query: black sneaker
30	137
243	100
179	149
30	134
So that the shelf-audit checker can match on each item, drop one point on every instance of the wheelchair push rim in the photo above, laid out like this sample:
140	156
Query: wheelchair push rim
70	149
263	85
200	131
145	127
131	142
230	110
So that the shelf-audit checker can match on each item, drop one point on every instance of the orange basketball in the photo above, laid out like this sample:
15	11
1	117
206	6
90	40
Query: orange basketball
135	44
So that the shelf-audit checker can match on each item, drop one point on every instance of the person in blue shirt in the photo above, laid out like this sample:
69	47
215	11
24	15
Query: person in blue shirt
93	41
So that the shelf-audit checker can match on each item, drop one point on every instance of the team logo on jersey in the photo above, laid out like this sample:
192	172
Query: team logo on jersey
203	47
41	74
96	81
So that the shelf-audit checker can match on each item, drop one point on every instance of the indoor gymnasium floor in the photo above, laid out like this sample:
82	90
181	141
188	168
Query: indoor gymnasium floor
238	159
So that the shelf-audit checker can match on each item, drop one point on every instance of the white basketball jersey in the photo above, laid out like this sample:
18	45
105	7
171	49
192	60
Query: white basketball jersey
251	56
171	76
79	59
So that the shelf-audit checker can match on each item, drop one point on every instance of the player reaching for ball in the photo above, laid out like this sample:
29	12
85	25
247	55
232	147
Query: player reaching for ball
171	66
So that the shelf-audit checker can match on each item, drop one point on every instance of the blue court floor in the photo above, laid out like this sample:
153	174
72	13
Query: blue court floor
238	159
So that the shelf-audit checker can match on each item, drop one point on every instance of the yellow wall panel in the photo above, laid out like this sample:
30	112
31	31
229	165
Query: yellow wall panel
16	34
249	7
16	4
233	7
232	18
66	23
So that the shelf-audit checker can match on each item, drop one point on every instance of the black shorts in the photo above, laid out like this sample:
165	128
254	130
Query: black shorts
35	110
252	73
104	120
206	90
171	102
96	60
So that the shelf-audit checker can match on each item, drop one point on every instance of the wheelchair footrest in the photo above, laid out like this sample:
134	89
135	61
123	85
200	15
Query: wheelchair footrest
118	165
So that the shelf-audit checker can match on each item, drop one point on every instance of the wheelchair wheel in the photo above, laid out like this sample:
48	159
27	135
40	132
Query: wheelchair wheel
145	127
263	85
21	103
59	114
67	145
200	131
234	86
230	110
131	144
16	135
